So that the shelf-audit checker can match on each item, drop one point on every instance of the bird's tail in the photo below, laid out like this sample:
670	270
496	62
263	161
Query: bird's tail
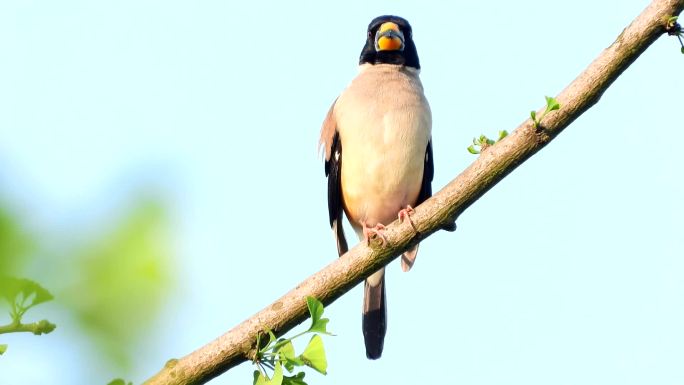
374	314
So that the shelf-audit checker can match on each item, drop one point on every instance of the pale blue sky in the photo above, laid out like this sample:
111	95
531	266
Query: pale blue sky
570	271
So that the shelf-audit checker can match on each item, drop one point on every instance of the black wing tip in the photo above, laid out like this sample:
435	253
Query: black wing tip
333	169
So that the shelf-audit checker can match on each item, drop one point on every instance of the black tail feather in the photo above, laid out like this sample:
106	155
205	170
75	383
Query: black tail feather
374	318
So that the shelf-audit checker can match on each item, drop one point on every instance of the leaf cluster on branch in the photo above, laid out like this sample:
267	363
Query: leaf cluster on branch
21	295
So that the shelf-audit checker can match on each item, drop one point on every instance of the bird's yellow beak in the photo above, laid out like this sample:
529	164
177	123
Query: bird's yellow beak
389	38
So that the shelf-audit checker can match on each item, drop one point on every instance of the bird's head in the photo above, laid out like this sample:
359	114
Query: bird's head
390	41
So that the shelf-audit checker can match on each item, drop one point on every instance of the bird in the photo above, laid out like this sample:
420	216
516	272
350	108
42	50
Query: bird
377	143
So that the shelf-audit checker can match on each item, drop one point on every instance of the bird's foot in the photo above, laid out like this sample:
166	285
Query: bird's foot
377	231
406	214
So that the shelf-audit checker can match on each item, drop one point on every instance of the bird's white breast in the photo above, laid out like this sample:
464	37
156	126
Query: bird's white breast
384	122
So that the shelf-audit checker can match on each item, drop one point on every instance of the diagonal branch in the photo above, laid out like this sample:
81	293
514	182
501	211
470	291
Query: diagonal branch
495	162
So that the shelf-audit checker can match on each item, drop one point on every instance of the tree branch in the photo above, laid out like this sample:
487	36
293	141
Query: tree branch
37	328
494	163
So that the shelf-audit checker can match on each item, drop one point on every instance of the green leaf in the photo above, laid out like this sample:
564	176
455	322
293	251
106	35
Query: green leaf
287	350
297	379
533	114
318	324
314	355
277	378
41	294
3	349
22	294
502	134
287	355
289	364
259	378
551	104
315	308
682	49
279	344
472	150
23	290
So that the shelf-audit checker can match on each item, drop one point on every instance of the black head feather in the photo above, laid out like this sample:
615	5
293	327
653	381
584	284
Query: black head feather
407	57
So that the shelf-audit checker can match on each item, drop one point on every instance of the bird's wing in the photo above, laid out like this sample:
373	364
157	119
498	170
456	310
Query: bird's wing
409	257
428	174
332	146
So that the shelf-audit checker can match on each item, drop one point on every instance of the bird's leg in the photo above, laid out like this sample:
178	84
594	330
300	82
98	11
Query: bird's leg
406	214
377	231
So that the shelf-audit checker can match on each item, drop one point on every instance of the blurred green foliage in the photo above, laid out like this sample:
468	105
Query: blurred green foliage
112	277
15	242
119	279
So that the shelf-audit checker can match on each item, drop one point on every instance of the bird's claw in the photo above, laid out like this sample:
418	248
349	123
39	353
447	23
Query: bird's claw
406	214
376	231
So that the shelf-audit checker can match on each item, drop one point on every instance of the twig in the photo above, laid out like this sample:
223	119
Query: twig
37	328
